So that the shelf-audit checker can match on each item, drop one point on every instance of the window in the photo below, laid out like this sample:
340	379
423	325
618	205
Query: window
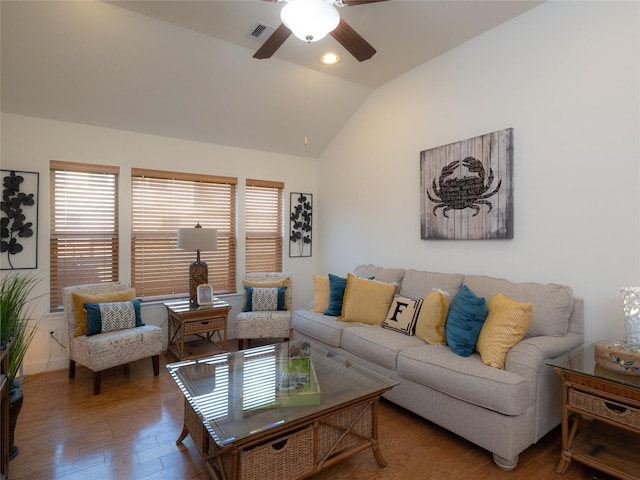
161	203
84	226
264	211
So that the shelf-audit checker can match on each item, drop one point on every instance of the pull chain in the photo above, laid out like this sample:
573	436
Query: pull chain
306	92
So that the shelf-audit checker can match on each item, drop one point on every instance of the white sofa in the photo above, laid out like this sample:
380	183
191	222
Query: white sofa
503	411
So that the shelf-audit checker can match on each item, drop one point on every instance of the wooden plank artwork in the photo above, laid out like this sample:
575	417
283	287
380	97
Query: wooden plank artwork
466	190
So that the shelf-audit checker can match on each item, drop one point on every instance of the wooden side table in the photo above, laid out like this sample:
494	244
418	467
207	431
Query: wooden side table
206	327
611	441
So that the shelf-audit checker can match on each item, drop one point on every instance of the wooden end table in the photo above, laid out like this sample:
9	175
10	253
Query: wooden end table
611	441
205	325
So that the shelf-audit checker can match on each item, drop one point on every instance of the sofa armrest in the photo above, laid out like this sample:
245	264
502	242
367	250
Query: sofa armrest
527	356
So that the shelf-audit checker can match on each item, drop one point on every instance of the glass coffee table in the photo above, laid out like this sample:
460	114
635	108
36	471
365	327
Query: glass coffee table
280	411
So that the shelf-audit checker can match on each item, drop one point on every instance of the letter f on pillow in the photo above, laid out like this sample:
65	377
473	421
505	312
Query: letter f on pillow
399	308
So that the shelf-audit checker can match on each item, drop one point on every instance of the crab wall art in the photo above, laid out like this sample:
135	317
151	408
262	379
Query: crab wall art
466	188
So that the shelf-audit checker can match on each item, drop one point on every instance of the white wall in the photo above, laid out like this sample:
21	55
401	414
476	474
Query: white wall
29	143
565	76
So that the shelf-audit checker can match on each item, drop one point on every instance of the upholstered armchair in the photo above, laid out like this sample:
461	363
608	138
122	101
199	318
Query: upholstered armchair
266	308
105	330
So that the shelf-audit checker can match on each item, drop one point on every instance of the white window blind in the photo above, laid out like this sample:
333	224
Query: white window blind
83	227
264	206
162	202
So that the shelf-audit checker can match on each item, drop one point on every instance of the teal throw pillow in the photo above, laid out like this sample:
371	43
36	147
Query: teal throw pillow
112	316
336	295
265	299
466	316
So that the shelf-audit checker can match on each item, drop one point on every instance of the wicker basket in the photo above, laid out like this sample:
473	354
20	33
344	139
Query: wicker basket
290	456
618	412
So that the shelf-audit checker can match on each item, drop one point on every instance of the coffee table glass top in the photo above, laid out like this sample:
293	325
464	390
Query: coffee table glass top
239	394
582	360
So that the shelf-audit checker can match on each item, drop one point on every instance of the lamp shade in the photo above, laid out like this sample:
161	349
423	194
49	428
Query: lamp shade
198	238
310	20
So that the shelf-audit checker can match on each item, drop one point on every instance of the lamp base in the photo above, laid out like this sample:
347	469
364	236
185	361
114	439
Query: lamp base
198	275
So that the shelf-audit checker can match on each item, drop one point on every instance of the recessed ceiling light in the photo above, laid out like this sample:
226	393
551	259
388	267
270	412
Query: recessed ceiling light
329	58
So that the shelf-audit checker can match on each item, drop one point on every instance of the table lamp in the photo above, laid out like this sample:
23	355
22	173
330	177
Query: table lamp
196	239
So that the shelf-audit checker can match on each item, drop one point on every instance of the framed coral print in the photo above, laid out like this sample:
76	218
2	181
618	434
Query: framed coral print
300	239
466	189
205	294
19	220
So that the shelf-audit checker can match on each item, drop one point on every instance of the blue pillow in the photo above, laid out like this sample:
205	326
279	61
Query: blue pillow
111	316
264	299
336	294
466	316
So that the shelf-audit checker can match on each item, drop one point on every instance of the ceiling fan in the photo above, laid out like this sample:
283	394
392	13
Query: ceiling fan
315	10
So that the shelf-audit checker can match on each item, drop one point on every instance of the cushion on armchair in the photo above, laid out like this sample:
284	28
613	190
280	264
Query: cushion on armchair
264	299
282	282
112	316
80	299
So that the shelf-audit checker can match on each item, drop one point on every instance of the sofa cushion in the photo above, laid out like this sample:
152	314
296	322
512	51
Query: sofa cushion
336	295
416	284
466	315
321	327
506	324
552	304
432	317
403	314
386	275
320	293
376	344
366	301
465	378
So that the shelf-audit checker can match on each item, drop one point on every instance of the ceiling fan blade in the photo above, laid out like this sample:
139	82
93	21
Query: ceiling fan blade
353	42
273	43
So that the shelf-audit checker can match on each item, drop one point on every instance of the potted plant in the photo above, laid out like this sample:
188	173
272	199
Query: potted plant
17	326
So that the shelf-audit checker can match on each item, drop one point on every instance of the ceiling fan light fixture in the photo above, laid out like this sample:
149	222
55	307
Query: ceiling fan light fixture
310	20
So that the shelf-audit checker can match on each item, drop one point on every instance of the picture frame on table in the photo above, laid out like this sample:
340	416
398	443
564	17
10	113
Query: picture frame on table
205	294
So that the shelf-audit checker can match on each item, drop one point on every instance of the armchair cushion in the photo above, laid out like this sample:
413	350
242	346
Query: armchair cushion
80	299
270	281
112	316
264	299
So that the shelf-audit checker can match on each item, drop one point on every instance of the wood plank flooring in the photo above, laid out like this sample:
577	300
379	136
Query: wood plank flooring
129	432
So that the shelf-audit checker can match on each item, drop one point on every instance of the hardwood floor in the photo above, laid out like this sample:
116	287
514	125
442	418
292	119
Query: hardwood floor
129	432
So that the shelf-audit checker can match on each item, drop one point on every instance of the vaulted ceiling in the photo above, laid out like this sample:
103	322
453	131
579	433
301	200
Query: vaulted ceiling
184	69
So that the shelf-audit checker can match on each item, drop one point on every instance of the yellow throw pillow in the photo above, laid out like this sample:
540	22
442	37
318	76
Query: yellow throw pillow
81	314
506	324
432	318
285	282
366	301
320	293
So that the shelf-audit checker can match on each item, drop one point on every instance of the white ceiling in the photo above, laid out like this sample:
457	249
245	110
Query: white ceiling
184	69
